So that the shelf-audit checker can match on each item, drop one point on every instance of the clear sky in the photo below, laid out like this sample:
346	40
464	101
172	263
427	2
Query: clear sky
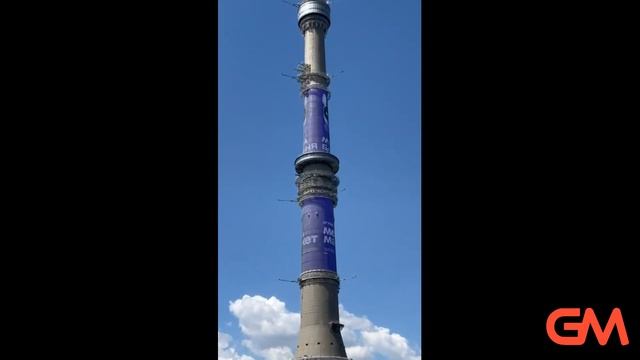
374	57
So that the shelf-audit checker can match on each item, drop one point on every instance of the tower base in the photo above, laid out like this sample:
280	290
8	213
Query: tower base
319	336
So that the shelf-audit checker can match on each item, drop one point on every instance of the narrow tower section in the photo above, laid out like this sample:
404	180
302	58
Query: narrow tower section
316	169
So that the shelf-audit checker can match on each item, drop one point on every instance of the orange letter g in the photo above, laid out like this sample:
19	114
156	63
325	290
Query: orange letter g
579	339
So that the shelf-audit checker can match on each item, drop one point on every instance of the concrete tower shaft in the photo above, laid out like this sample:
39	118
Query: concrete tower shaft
317	183
320	336
314	21
314	32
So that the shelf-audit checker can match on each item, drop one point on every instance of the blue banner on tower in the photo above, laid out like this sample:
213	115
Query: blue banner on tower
316	121
318	235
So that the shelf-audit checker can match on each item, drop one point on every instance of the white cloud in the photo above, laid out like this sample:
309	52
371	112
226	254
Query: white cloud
363	339
359	352
271	331
353	326
392	345
275	353
226	352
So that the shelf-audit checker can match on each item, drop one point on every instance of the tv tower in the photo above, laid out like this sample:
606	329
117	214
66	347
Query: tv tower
316	169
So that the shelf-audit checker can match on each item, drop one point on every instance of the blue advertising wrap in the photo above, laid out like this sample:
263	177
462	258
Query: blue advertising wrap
318	235
316	121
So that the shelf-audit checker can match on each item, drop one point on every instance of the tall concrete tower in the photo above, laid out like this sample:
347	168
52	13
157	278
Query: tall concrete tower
319	336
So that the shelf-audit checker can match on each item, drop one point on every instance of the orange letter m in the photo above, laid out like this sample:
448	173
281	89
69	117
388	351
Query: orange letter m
614	320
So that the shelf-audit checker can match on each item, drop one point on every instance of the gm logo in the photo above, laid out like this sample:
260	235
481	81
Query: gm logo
589	320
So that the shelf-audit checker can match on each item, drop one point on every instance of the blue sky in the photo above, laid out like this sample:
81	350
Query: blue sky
373	52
